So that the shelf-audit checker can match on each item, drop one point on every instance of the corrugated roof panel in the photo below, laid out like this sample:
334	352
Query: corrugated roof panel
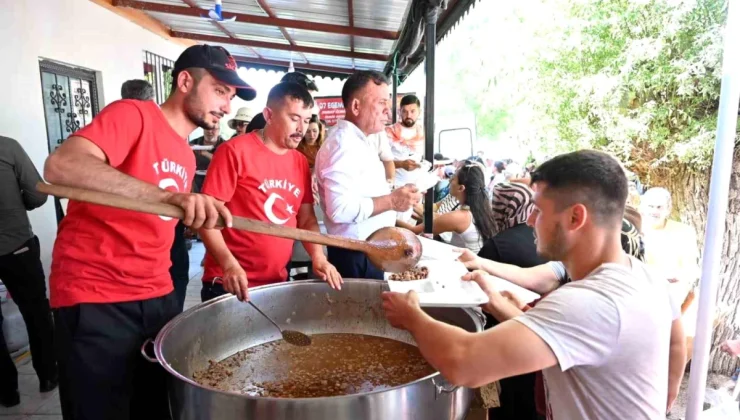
321	11
319	39
237	50
369	64
186	23
373	45
327	60
167	2
278	54
385	15
252	31
250	7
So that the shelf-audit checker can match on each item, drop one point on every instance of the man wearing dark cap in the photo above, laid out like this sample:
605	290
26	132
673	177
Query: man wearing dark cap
110	285
259	122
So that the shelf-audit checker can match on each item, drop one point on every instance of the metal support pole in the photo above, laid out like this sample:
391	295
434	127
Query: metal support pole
394	105
430	42
718	201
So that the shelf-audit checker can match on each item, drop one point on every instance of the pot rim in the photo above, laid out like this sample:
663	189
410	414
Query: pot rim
181	317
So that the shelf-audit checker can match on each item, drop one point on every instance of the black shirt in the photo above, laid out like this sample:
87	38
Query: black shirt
513	246
202	162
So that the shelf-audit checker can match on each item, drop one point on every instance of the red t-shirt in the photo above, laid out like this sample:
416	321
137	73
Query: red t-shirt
259	184
105	255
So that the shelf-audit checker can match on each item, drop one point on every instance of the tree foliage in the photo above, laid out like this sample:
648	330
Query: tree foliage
638	78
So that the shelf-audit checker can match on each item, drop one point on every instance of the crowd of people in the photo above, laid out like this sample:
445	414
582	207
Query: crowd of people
605	340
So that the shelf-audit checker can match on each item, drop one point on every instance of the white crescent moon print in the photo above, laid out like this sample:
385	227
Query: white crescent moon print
269	203
164	184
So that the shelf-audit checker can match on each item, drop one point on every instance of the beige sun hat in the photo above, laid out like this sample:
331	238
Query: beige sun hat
243	114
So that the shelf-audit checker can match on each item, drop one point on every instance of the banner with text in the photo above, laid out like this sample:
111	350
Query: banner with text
331	108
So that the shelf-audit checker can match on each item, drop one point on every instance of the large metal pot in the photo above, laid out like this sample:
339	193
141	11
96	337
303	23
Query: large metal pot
221	327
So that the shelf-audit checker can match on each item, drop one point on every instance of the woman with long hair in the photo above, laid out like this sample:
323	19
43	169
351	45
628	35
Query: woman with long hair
309	147
471	224
312	141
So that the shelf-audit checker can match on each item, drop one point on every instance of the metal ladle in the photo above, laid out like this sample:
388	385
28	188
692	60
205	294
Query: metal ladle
291	337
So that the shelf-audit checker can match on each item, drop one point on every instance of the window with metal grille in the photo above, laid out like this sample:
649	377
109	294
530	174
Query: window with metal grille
158	72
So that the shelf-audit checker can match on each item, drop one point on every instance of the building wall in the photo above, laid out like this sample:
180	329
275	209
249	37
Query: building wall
75	32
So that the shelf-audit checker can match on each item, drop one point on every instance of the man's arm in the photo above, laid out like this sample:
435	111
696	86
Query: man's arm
342	189
390	170
307	221
321	266
677	361
216	246
80	163
386	156
541	278
474	359
448	222
27	176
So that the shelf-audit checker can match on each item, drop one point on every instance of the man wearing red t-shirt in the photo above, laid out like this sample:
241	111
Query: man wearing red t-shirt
261	176
110	285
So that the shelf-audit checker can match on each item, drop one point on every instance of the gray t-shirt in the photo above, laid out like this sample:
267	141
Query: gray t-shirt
610	333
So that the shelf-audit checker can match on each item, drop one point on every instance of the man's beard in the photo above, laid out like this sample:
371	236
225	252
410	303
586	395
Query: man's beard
408	122
197	117
555	249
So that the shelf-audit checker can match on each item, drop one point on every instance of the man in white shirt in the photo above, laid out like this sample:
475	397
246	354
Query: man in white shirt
355	197
602	340
379	141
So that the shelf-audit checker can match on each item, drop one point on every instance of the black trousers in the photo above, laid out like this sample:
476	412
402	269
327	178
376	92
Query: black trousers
102	374
353	264
23	276
211	290
180	264
517	395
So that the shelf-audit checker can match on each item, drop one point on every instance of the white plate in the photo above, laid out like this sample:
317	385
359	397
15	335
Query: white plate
524	295
435	250
426	181
443	287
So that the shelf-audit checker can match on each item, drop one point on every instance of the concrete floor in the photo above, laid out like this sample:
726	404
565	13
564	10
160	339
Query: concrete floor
37	406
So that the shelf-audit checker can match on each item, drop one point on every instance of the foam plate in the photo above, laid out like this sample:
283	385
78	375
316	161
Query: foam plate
443	287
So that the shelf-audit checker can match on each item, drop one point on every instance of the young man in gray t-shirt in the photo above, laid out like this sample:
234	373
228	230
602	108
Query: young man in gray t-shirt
602	340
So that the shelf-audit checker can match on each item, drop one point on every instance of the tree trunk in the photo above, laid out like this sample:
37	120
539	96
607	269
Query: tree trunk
690	191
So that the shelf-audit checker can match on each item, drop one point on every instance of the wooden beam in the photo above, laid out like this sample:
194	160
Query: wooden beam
218	25
259	20
286	64
277	46
145	21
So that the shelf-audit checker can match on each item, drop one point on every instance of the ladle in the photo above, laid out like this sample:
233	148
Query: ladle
391	249
291	337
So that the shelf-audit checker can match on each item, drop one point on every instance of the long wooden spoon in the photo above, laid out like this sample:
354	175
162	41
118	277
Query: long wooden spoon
391	249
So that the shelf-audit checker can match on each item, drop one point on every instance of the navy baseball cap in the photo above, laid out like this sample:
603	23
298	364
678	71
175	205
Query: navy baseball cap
219	63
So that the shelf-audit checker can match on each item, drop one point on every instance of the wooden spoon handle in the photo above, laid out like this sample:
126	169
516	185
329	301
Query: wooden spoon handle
162	209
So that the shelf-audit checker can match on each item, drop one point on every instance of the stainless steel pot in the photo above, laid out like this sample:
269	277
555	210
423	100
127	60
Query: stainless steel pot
221	327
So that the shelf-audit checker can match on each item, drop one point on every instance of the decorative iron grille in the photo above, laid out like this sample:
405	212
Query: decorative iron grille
158	72
70	99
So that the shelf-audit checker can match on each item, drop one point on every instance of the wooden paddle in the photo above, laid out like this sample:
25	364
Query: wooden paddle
391	249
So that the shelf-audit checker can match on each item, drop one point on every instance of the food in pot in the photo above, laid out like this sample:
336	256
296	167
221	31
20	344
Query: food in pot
416	273
335	364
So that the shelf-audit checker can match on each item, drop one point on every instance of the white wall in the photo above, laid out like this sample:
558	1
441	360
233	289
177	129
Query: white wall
76	32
